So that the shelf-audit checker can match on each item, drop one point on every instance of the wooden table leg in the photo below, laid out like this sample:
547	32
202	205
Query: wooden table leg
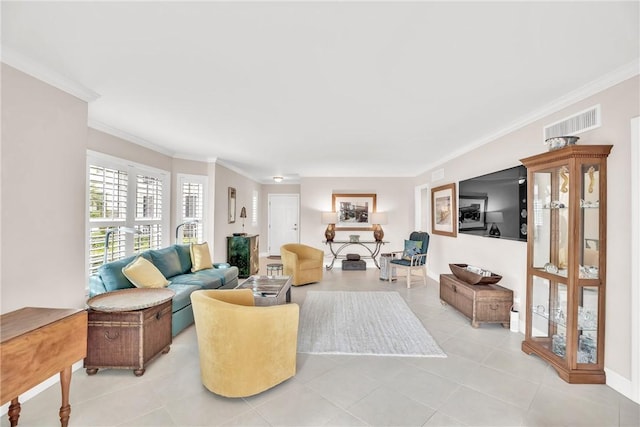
14	412
65	409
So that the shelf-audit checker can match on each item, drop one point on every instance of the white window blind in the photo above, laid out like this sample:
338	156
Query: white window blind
124	197
192	210
254	209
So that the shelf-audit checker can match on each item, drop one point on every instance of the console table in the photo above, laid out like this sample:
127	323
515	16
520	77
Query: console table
36	344
372	246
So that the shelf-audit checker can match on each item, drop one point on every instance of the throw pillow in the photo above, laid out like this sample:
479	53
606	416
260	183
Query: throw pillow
411	248
200	257
143	274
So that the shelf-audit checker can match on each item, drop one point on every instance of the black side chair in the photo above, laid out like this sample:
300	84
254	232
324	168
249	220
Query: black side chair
414	256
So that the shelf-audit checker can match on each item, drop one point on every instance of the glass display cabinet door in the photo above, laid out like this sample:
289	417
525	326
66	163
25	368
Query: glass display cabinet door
590	222
551	220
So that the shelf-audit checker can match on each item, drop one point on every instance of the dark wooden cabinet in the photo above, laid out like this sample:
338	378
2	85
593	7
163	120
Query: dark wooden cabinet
480	303
242	252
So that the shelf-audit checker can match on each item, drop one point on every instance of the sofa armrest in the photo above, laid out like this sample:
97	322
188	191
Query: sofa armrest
96	285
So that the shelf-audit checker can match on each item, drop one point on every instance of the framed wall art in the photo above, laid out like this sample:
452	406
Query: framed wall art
443	210
232	205
354	211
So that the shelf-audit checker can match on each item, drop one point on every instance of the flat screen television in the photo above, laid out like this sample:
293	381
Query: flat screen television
494	205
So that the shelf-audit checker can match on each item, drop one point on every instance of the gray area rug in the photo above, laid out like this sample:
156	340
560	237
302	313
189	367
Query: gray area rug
364	323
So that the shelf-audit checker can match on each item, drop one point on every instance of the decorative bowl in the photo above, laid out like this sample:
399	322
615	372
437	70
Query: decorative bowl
560	141
475	276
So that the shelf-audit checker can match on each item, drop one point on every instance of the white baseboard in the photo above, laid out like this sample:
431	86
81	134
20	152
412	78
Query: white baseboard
40	388
620	384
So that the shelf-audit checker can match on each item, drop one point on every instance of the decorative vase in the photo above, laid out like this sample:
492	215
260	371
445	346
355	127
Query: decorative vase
330	232
378	234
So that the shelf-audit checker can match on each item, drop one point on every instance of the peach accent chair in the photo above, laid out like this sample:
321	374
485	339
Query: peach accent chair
303	263
244	349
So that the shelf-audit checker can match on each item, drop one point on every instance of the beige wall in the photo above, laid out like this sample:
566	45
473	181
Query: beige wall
225	178
619	105
44	136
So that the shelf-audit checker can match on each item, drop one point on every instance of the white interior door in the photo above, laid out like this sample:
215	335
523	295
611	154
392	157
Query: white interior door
284	221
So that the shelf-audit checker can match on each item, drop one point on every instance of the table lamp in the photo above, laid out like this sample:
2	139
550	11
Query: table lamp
378	219
329	218
495	218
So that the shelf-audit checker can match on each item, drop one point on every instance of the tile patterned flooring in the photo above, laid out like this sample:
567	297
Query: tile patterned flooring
486	380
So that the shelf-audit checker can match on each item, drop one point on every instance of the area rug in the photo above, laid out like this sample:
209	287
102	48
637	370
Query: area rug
363	323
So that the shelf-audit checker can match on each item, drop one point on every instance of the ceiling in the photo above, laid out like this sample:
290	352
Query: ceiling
320	89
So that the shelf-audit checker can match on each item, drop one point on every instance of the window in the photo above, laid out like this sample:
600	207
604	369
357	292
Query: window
191	210
254	209
126	205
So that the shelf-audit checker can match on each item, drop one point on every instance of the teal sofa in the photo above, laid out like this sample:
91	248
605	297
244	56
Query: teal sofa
175	264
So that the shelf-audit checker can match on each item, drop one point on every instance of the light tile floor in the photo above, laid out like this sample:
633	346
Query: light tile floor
486	380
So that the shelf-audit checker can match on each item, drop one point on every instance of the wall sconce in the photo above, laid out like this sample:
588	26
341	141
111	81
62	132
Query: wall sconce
243	215
110	231
495	218
329	218
190	222
378	219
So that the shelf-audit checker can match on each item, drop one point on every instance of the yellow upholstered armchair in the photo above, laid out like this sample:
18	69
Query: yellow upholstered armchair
303	263
244	349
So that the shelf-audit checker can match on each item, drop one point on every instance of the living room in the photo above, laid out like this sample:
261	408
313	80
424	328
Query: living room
47	133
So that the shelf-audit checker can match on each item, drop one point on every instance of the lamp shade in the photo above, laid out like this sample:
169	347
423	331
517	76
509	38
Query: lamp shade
379	218
329	217
496	217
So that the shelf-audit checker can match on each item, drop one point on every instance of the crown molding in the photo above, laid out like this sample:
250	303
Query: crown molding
41	72
236	170
600	84
194	157
103	127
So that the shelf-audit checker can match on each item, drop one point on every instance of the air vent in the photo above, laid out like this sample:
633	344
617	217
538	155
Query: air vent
573	125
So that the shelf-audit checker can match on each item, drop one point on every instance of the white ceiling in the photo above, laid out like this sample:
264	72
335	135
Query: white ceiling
321	88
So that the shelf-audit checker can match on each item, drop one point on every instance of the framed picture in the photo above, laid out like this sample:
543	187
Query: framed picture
472	213
443	207
232	205
354	211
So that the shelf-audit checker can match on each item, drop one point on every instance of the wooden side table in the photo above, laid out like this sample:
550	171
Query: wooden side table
128	329
37	343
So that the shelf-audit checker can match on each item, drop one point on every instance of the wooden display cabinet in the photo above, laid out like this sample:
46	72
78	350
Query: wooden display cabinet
566	260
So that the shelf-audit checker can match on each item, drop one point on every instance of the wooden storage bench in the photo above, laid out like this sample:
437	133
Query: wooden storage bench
128	338
480	303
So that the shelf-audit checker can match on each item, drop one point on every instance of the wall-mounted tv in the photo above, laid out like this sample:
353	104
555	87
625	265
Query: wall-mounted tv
494	205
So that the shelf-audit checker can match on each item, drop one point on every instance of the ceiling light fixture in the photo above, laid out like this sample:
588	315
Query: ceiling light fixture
278	178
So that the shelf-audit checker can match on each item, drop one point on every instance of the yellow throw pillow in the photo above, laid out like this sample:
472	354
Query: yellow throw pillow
200	257
143	274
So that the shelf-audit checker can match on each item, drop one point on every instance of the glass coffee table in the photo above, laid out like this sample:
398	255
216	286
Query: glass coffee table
268	290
